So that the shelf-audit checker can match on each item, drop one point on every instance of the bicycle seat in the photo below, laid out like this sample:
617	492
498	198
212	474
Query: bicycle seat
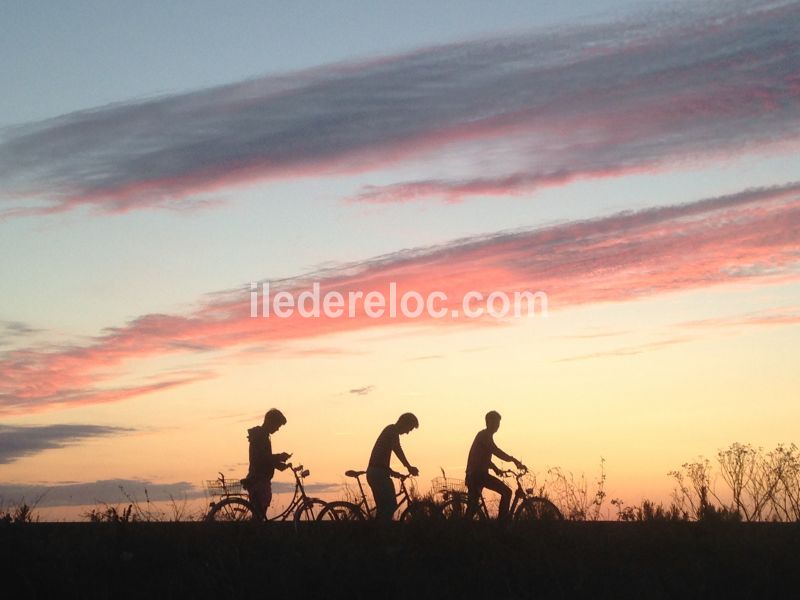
352	473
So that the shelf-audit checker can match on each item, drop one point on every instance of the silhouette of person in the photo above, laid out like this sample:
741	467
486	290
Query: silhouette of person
263	462
379	472
480	461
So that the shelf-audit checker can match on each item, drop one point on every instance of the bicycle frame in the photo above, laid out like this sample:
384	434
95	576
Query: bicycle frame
520	494
402	496
299	496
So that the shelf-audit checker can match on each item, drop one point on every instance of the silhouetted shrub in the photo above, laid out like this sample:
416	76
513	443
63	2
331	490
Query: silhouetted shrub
757	485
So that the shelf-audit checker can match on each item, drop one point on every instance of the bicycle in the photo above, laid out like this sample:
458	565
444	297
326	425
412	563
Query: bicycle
525	506
235	505
412	509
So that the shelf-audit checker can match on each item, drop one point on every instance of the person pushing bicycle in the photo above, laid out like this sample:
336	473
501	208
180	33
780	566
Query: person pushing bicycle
480	461
379	472
263	462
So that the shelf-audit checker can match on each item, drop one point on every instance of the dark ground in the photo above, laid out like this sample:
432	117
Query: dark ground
436	560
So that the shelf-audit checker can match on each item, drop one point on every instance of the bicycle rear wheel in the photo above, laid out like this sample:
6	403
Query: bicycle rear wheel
309	510
420	510
232	509
341	511
456	508
537	509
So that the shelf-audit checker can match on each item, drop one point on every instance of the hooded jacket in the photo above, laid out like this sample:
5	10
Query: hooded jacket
262	463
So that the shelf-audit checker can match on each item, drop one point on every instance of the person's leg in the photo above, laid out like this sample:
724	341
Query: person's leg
474	489
388	503
267	496
260	496
383	492
496	485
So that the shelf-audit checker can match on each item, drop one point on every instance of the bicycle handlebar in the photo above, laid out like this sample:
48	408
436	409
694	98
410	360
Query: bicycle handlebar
512	473
297	469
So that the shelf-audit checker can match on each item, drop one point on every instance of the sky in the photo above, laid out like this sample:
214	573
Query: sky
636	162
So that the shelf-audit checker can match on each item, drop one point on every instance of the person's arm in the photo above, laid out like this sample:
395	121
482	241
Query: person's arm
398	450
503	455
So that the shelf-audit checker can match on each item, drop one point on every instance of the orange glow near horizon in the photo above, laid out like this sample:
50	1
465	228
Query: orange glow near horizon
645	399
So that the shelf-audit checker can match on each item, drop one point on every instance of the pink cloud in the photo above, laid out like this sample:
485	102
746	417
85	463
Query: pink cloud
747	238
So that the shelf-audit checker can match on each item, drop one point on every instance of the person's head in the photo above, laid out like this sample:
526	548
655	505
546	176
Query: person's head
274	420
493	421
407	422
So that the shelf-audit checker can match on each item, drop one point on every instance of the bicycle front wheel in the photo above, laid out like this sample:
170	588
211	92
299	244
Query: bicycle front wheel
537	509
232	509
309	510
341	511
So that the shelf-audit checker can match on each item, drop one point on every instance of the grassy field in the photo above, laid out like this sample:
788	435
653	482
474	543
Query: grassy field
439	560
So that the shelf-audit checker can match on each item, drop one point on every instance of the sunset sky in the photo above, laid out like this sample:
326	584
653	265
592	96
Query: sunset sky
637	162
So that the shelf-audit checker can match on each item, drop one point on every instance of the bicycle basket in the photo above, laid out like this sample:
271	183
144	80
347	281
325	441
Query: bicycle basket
229	487
442	485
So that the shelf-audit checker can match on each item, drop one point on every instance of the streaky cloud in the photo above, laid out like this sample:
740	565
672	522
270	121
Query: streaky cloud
116	492
625	351
585	101
104	491
18	441
362	391
774	317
